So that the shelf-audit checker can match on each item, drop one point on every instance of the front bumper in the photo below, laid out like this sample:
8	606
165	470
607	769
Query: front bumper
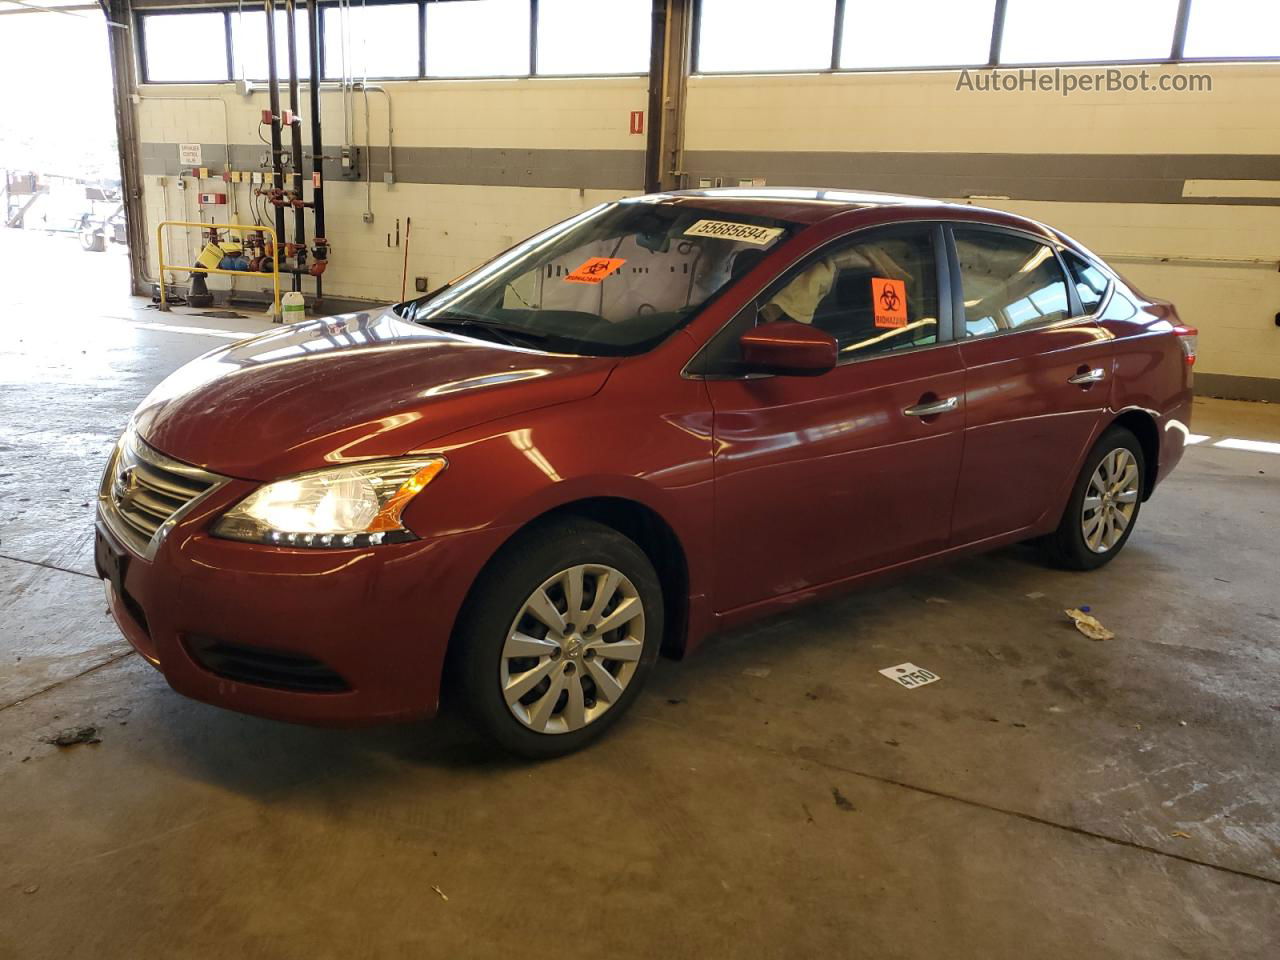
378	619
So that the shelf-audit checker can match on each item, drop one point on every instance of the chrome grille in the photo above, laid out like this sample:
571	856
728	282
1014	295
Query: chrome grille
144	493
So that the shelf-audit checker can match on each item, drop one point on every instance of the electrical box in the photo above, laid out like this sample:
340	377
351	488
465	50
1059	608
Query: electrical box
349	163
212	199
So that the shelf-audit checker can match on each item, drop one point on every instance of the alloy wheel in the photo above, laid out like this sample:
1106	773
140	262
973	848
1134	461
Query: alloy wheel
572	649
1110	500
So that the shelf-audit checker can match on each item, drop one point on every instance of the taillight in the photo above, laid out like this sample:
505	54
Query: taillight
1187	338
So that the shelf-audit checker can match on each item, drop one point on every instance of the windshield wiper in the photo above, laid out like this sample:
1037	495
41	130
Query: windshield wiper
512	336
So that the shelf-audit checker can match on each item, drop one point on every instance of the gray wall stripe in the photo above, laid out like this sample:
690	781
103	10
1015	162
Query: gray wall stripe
578	169
1091	178
1081	178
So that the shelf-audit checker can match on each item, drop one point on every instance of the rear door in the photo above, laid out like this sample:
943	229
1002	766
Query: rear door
821	478
1038	370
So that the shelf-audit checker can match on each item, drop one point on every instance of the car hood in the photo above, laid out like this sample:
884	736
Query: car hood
352	387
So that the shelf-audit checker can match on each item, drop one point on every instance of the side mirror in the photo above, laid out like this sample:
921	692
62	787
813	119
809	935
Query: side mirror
789	349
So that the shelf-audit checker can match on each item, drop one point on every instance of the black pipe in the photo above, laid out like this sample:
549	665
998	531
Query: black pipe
295	132
317	149
273	94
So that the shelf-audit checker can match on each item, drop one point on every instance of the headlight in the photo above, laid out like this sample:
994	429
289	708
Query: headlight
353	506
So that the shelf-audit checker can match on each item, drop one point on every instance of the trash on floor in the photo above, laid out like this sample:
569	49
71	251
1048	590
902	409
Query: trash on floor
74	735
442	894
756	672
1181	835
221	315
909	675
1035	595
1089	625
936	600
842	802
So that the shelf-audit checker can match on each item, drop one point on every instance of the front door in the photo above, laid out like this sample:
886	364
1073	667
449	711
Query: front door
1037	379
822	478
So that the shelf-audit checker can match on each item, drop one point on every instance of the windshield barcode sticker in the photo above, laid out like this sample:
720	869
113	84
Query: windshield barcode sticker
727	230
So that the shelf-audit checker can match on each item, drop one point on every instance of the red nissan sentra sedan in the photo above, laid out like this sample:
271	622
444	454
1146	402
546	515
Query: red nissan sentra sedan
660	418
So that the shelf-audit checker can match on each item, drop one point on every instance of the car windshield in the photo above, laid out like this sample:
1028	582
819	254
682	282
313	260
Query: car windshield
615	280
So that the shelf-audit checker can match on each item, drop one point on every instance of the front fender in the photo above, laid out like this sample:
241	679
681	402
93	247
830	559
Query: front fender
652	447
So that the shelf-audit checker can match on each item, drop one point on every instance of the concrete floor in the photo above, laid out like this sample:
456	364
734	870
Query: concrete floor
773	796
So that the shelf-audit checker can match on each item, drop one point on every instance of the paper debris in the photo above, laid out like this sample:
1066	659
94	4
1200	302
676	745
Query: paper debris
1090	626
756	672
1181	835
440	892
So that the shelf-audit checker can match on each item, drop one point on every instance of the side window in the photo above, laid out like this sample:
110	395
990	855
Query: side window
1009	281
874	295
1091	283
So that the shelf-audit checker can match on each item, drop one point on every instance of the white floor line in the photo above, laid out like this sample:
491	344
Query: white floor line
199	331
1253	446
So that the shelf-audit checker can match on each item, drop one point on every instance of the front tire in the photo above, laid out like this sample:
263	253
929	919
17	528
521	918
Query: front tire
558	637
1104	504
92	241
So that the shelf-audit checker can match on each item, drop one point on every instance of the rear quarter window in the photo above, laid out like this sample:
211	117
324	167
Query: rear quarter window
1090	282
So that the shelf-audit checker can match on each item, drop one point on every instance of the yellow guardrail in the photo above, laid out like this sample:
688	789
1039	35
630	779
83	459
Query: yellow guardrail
230	227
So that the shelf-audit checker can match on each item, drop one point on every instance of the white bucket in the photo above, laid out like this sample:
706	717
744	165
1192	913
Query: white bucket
293	307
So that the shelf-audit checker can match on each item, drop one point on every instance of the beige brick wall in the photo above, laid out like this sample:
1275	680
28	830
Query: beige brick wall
1234	306
455	227
458	226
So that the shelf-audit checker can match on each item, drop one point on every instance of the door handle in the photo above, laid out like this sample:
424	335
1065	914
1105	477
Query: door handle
932	408
1096	375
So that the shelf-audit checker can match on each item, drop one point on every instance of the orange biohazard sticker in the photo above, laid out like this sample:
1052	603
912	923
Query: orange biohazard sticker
889	298
594	270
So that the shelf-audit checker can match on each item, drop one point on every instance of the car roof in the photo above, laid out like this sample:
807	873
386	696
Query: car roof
810	205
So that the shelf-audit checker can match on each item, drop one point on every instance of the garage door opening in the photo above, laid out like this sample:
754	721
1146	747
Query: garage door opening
62	218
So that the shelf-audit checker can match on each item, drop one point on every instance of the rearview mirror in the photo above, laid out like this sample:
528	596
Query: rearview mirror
788	349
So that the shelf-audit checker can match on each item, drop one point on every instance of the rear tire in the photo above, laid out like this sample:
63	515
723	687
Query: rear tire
544	689
1104	504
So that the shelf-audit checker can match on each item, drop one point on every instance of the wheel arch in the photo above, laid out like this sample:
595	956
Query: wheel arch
644	526
1142	424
